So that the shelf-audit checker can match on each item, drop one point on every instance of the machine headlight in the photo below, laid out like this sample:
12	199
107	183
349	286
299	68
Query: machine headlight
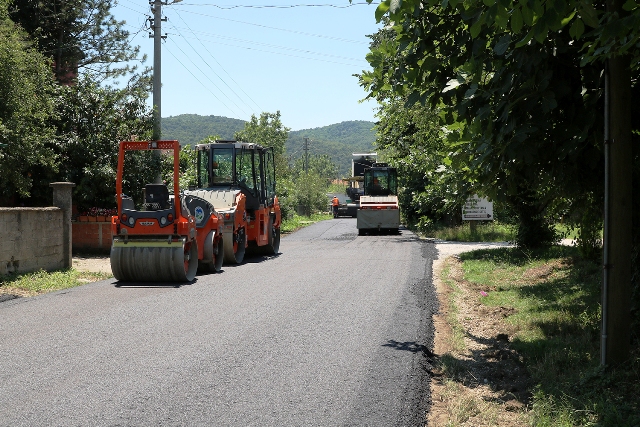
163	221
132	221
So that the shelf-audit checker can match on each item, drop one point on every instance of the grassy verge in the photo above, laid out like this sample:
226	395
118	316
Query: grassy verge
298	221
553	299
492	231
41	282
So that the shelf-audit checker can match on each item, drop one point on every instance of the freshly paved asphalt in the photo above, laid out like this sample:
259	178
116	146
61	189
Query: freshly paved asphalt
333	331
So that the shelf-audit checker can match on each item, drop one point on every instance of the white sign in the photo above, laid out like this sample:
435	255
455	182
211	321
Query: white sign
477	209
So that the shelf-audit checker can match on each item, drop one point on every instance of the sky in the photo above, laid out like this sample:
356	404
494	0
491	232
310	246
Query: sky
238	60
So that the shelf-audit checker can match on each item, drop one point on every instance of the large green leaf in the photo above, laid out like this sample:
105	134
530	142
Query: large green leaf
382	8
589	14
577	29
516	20
503	44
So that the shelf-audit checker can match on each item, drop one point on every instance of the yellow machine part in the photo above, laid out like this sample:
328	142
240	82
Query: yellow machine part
154	260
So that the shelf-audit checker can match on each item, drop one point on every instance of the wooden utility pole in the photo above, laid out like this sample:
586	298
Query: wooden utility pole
618	236
157	67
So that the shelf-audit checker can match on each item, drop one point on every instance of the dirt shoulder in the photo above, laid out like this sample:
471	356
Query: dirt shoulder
92	263
479	380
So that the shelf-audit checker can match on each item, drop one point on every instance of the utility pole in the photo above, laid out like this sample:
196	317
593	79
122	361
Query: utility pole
618	241
156	26
306	154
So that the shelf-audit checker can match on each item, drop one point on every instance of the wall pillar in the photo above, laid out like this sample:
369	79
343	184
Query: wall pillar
62	199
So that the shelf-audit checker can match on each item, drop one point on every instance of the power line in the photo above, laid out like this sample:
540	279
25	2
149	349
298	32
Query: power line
301	33
280	6
221	67
203	85
234	39
205	74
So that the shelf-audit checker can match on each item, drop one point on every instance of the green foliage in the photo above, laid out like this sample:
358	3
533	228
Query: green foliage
552	296
267	131
491	231
321	165
296	222
519	117
27	96
188	168
191	129
78	35
411	139
307	194
93	119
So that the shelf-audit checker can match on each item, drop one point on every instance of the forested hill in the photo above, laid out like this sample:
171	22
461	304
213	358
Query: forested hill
190	129
338	141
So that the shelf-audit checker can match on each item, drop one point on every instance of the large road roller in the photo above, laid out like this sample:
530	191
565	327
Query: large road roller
238	179
161	235
379	209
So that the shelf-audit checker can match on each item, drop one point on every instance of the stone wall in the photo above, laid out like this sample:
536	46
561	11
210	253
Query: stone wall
32	239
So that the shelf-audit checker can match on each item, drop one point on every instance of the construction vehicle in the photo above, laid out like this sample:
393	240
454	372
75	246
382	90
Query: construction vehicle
355	187
238	179
378	208
161	236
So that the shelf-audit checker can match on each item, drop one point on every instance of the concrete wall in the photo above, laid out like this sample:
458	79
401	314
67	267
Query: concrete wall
32	239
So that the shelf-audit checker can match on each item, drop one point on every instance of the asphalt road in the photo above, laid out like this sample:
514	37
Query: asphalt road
333	331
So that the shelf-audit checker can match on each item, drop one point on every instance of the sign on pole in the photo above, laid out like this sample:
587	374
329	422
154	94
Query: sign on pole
477	209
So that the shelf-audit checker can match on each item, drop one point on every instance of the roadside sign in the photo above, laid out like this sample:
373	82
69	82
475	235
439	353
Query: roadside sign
477	209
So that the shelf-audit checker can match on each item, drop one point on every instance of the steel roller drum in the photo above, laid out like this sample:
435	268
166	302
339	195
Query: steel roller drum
138	260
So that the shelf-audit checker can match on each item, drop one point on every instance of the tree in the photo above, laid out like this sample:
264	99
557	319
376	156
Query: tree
499	44
27	94
505	100
77	35
268	131
411	139
320	165
93	119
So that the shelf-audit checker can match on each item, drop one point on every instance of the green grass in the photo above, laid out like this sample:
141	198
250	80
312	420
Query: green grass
458	332
298	221
39	282
553	296
484	232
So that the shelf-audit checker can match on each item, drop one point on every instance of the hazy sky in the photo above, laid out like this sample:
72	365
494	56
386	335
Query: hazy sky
235	60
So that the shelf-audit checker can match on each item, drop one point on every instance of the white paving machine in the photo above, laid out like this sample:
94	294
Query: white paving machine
378	210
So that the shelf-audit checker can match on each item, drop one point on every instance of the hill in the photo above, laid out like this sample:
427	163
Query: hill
190	129
338	141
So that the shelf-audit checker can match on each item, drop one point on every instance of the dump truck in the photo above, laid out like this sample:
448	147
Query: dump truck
238	179
378	209
160	235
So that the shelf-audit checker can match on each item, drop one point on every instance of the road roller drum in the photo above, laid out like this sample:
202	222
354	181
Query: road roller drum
154	260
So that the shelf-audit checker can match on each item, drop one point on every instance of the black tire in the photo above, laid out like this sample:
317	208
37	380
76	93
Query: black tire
273	245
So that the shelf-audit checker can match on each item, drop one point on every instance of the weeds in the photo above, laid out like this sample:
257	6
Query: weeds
457	331
482	232
554	300
297	221
39	282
